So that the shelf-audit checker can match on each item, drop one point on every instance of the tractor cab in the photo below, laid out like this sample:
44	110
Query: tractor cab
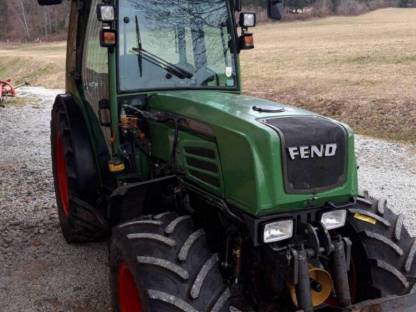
122	49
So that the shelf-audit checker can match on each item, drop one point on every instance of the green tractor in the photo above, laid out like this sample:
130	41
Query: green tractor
211	200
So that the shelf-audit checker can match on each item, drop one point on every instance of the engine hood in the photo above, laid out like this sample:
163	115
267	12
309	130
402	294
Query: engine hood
197	104
250	151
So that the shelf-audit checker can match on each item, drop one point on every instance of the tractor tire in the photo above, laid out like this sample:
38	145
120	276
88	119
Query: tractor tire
163	264
383	252
74	175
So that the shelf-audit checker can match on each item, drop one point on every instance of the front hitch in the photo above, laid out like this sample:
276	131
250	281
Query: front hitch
309	291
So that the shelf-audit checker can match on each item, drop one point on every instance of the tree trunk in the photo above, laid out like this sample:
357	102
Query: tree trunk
25	24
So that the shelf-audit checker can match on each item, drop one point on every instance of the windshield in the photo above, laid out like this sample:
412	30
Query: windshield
167	44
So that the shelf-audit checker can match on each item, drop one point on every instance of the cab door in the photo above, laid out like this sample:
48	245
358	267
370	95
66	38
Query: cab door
94	73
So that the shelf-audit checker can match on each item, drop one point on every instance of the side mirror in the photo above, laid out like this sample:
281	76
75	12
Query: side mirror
49	2
275	9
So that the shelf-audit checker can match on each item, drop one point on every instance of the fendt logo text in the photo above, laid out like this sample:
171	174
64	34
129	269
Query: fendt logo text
313	151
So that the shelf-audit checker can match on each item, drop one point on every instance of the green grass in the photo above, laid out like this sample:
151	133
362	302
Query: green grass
38	64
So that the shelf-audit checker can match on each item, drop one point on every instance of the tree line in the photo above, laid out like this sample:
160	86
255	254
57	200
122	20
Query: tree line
25	20
335	4
301	9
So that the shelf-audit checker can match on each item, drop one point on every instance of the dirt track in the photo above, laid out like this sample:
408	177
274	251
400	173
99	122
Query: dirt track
40	272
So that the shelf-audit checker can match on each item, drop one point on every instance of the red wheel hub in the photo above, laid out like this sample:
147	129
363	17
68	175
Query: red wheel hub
61	174
128	297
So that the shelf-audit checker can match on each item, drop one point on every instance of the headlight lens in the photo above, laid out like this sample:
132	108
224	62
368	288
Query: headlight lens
278	231
105	13
334	219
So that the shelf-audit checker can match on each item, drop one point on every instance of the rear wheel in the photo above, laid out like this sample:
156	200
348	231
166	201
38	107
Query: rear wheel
162	263
383	250
75	198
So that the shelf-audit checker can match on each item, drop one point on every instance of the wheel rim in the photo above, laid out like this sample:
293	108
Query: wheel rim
128	297
61	175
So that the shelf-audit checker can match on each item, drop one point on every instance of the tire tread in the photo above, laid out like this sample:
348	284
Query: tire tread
388	248
181	276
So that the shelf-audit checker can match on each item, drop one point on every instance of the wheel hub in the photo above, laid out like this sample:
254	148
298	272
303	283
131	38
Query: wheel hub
128	297
62	176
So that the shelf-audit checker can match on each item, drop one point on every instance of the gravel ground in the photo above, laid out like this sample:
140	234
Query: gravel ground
40	272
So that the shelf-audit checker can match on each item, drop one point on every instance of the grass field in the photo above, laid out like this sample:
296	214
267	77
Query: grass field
360	70
39	64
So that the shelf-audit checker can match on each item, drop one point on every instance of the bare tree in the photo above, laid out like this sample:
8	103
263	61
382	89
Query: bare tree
24	19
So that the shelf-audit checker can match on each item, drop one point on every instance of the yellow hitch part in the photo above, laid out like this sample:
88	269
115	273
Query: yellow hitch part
319	294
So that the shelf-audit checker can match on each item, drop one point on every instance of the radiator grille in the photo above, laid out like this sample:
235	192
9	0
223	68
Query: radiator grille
309	163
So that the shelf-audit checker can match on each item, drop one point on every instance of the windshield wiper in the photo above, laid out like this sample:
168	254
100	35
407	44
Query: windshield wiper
156	60
139	43
224	44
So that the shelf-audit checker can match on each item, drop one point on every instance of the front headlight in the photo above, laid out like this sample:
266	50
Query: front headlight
334	219
278	231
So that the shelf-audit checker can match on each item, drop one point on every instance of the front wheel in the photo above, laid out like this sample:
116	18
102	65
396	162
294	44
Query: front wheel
163	263
383	251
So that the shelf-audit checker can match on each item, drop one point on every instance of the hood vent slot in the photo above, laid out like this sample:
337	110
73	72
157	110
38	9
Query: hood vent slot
201	151
206	178
202	165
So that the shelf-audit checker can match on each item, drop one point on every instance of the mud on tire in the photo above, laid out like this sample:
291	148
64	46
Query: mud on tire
170	263
383	250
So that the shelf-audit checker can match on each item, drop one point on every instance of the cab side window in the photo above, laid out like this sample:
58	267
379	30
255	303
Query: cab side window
95	62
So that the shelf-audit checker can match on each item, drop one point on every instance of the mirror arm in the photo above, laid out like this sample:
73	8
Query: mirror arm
237	5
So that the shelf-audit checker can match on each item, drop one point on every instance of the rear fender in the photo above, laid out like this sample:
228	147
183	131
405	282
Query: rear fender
86	165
